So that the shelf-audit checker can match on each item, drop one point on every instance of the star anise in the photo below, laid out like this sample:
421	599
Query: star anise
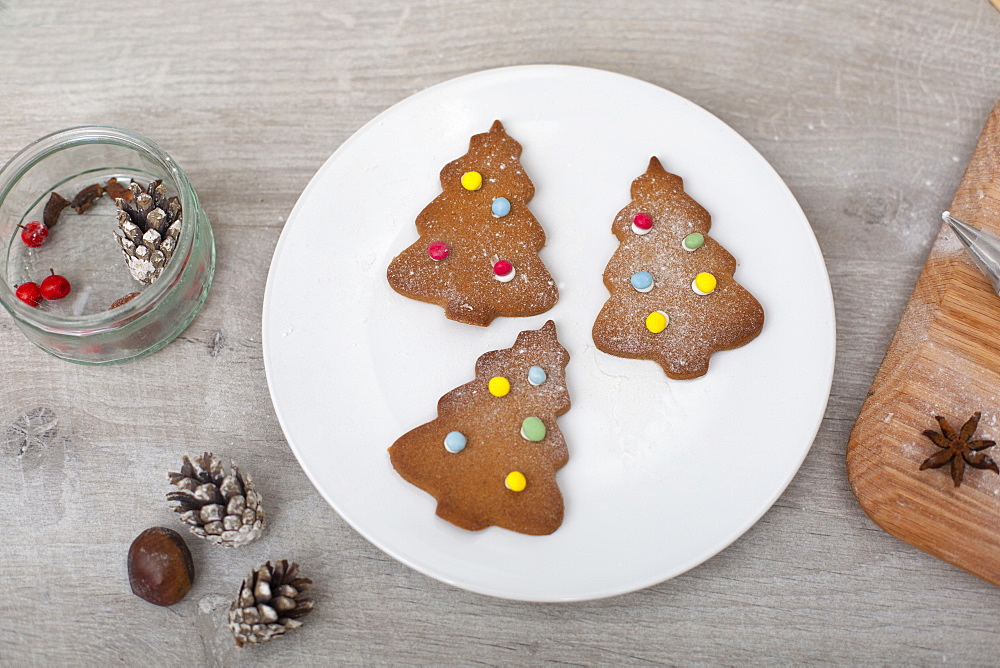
958	449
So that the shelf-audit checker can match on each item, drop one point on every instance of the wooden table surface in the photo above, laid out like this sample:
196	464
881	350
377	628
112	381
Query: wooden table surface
868	110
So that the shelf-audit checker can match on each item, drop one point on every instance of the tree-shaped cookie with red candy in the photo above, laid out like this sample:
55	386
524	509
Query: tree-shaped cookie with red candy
673	296
491	455
477	255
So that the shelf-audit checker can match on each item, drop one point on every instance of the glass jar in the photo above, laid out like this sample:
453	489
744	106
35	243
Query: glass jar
83	327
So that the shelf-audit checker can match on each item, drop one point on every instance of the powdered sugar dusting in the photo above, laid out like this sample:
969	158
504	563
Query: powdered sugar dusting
464	283
468	485
699	324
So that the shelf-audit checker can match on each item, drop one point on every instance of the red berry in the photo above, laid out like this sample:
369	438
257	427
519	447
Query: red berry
29	293
54	287
438	250
34	234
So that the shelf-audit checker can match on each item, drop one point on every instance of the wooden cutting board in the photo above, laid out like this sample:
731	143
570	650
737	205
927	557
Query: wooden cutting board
943	360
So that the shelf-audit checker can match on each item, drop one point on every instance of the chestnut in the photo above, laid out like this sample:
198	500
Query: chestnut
160	568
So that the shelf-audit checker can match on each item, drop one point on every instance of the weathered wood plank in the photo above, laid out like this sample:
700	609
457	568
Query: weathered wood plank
867	110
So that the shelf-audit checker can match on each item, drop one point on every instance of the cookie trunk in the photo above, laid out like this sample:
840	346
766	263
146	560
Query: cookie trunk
464	284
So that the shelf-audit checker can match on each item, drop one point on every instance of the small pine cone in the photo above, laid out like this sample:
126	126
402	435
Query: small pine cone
222	509
150	224
269	603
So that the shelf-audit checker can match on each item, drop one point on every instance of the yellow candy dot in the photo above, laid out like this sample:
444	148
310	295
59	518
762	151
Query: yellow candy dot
499	386
705	282
516	482
472	180
657	321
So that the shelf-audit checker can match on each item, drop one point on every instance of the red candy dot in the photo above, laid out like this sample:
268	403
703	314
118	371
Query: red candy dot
643	221
438	250
502	268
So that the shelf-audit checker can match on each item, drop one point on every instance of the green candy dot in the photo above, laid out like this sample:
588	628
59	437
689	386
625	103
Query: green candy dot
533	429
694	241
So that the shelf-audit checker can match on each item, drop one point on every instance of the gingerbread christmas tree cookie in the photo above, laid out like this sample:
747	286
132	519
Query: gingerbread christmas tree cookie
673	296
477	255
491	455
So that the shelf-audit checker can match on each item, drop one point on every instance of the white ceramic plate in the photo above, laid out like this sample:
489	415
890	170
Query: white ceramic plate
662	474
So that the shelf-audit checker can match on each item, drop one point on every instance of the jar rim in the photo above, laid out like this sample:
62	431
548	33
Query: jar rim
35	152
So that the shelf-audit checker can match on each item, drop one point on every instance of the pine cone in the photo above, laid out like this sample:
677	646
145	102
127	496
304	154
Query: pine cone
151	224
222	509
269	605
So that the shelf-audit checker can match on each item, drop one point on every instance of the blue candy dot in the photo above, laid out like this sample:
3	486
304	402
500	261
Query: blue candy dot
454	441
501	207
642	280
536	375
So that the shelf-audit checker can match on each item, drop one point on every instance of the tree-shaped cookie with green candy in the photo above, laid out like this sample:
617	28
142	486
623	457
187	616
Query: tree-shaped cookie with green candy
673	296
491	455
477	254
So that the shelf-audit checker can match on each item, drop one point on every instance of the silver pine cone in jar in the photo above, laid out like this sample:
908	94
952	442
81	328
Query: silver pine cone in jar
150	223
270	603
222	508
